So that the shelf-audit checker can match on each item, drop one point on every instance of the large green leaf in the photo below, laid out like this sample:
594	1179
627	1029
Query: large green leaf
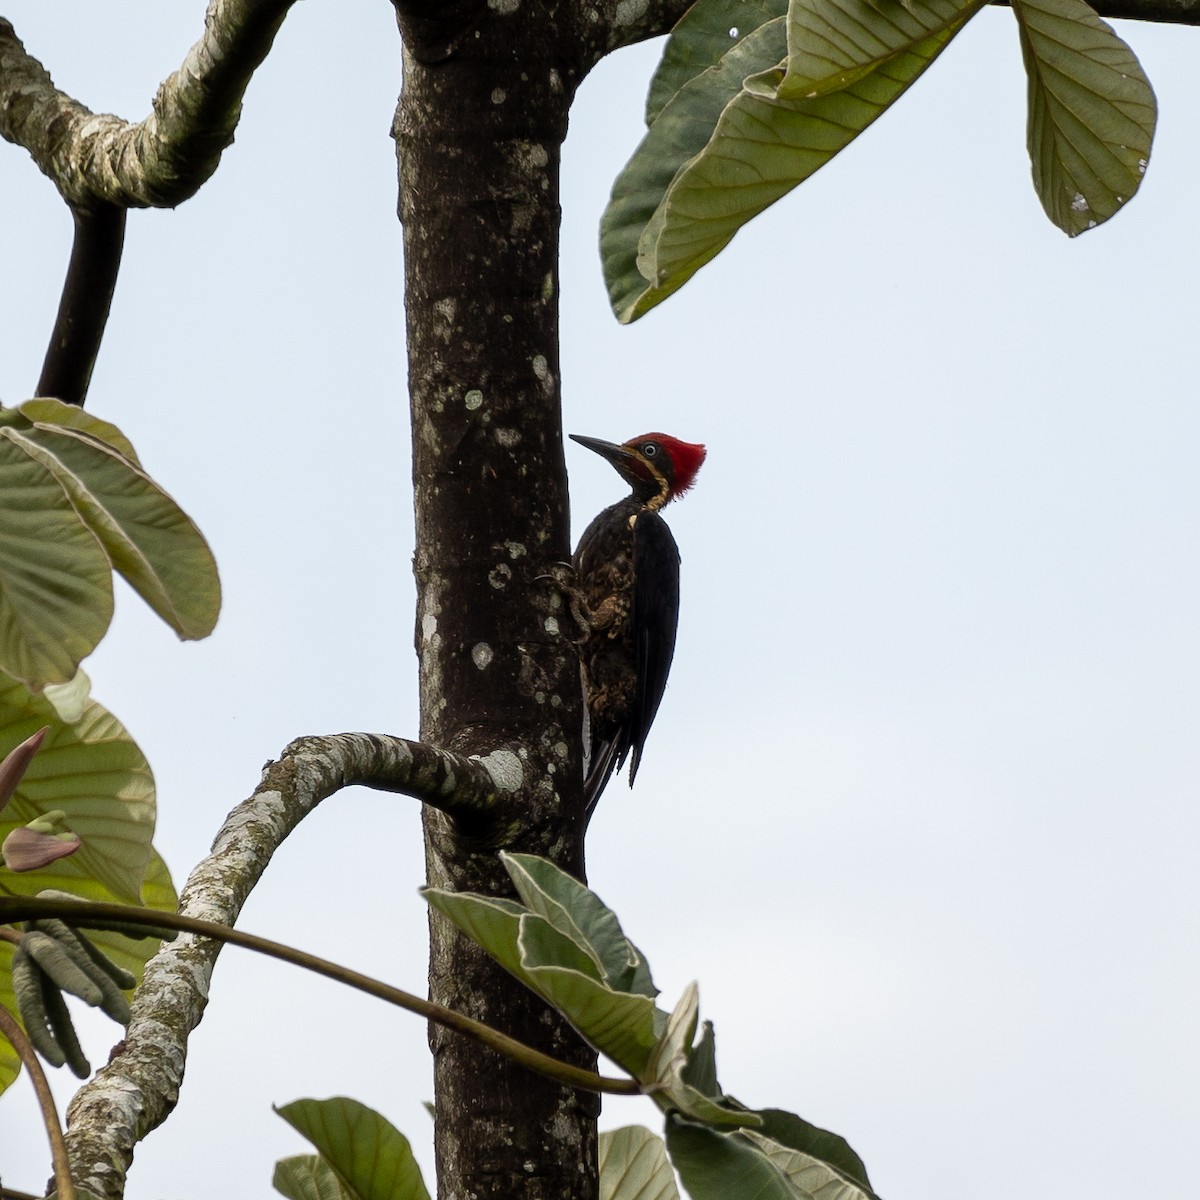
625	1026
74	503
1091	112
761	148
55	579
94	772
741	134
722	1166
700	40
372	1158
681	130
634	1166
150	540
578	913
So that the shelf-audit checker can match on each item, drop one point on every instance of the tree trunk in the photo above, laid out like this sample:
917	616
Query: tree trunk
479	130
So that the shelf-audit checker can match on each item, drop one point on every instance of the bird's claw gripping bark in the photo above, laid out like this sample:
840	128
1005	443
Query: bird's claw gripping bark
565	578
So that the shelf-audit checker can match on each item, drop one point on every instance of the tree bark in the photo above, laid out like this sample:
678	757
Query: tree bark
479	129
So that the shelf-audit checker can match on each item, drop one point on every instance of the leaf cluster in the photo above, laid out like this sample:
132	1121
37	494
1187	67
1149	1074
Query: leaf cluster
753	96
77	506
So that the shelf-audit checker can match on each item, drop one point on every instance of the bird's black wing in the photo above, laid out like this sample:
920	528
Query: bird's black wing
655	617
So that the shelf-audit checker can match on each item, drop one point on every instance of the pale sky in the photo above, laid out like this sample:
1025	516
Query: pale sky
919	811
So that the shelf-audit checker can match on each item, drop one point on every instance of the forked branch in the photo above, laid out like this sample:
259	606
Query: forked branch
139	1087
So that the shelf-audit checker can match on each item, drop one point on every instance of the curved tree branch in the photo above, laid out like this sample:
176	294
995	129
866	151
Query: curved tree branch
139	1087
86	299
158	162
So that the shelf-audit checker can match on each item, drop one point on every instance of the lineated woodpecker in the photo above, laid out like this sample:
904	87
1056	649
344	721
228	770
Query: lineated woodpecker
627	593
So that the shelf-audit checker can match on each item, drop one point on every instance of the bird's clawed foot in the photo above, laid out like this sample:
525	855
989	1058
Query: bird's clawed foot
564	577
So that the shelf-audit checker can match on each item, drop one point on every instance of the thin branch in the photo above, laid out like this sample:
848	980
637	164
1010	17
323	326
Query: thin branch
158	162
86	299
58	1146
88	915
139	1086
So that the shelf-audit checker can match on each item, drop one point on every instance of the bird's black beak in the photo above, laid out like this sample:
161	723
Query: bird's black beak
617	455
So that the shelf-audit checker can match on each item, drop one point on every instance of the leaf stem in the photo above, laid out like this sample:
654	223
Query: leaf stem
58	1146
103	916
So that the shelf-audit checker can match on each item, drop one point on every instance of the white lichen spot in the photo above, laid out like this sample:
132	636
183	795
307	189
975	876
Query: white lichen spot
629	11
481	655
540	697
540	367
733	32
1079	203
1141	166
504	7
428	627
499	576
529	1167
551	625
548	286
473	399
555	80
562	749
536	154
515	549
504	767
508	438
446	308
1091	224
498	96
508	318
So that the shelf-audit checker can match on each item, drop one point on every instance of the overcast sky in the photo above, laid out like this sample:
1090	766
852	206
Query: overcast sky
919	811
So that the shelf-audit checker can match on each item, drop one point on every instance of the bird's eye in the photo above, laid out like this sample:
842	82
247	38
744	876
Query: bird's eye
649	449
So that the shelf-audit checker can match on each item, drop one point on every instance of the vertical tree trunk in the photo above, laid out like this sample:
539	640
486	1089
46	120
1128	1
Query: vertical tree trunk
479	132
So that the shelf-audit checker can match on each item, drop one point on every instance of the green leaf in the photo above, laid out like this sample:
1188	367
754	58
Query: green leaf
798	1134
681	130
94	772
490	921
578	913
308	1177
624	1026
634	1166
835	43
761	148
741	134
1091	112
149	539
55	579
541	945
700	40
721	1166
47	411
810	1177
370	1156
665	1071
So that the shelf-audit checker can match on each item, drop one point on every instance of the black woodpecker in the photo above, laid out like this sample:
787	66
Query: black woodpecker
627	593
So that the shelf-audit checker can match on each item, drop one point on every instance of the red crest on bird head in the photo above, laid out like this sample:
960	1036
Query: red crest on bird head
686	458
